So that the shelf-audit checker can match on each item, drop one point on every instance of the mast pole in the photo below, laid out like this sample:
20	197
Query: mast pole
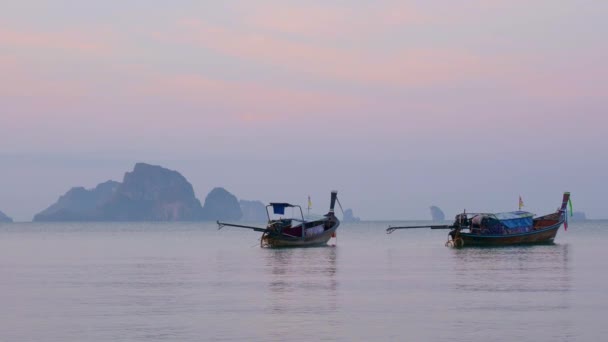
309	204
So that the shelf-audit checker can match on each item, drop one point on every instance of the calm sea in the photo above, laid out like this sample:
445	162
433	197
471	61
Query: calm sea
191	282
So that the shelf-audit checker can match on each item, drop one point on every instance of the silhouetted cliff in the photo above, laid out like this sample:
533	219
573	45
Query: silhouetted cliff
4	218
578	216
253	211
79	204
349	216
152	193
437	214
221	205
148	193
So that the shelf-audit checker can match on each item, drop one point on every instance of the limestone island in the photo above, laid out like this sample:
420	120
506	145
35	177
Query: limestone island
4	218
253	211
578	216
148	193
437	214
349	216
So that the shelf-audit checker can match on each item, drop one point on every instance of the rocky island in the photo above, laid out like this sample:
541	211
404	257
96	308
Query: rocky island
437	214
148	193
253	211
4	218
221	205
79	204
349	216
578	216
152	193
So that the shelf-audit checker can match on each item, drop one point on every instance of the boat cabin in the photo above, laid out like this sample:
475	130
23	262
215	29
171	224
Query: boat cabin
514	222
292	226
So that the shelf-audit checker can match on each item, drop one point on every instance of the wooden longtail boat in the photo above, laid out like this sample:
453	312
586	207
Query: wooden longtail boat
502	229
292	232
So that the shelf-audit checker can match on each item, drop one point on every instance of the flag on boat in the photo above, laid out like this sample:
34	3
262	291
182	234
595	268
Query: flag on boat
309	203
566	213
521	203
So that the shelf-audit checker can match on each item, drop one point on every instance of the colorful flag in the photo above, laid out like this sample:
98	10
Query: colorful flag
309	203
566	202
521	203
566	214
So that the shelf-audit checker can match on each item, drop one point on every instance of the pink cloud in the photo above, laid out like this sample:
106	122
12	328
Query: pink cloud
578	76
332	21
405	67
21	81
71	99
247	102
72	41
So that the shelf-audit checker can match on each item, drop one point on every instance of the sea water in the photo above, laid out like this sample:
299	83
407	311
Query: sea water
191	282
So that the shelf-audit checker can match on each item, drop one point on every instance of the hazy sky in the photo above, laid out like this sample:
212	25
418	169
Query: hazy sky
397	104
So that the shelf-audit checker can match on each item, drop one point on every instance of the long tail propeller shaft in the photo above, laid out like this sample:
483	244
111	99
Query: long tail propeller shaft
392	229
221	225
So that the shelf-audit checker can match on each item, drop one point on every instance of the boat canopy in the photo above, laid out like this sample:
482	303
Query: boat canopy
511	215
509	220
279	208
515	219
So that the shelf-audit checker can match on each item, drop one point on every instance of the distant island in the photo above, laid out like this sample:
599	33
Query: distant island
253	211
221	205
4	218
79	204
437	214
148	193
349	216
153	193
578	216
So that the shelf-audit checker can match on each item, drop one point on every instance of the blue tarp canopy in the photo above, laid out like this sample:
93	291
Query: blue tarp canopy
279	208
515	219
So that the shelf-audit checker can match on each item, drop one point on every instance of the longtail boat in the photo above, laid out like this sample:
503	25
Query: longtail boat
294	232
502	229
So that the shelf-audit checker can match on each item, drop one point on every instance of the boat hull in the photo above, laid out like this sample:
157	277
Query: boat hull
541	236
278	241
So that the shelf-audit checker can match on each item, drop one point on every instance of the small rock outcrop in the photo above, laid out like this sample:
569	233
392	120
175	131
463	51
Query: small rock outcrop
152	193
437	214
349	216
79	204
578	216
253	211
221	205
4	218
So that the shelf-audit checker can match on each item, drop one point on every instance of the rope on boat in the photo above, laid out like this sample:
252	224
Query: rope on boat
340	205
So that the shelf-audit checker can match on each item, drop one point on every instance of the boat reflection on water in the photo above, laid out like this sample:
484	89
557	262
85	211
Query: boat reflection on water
530	283
520	268
301	283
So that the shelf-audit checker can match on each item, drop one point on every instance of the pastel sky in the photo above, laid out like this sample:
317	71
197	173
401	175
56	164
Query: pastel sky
397	104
